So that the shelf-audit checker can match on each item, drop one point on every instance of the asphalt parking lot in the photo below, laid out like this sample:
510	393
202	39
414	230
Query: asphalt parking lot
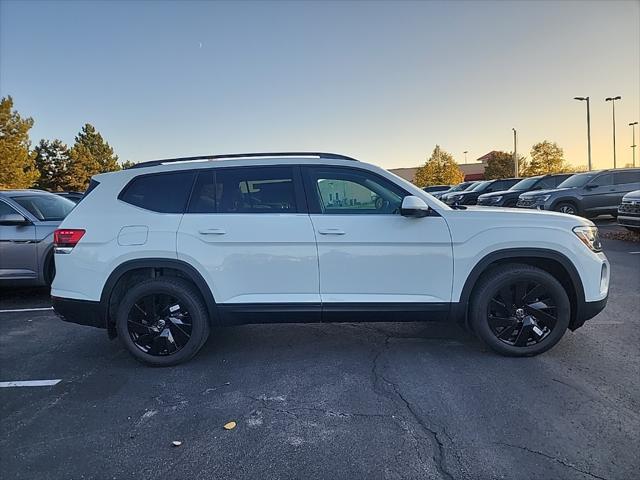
387	400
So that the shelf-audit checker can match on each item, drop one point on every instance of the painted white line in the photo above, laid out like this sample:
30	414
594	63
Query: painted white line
16	310
30	383
634	253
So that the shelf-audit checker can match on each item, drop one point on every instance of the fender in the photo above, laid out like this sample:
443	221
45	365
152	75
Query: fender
577	201
187	270
459	310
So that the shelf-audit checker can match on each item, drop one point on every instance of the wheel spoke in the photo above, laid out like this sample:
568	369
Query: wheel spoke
520	292
523	336
535	292
503	309
506	333
546	319
499	322
506	294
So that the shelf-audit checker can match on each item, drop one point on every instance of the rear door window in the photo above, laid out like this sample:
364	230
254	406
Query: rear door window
160	192
626	177
254	190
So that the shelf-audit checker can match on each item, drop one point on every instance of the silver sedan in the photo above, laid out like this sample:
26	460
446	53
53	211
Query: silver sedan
28	219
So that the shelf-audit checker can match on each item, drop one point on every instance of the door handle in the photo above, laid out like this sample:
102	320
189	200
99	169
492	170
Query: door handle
212	231
331	231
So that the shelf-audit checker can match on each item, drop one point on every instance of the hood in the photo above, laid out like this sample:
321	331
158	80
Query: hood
515	193
536	193
517	216
635	195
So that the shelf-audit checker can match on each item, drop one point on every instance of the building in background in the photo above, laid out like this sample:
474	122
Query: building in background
472	171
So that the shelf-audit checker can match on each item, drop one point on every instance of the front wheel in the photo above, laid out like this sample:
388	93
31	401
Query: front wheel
566	207
519	310
163	321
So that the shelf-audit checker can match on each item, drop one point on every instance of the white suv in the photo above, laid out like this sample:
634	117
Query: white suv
160	253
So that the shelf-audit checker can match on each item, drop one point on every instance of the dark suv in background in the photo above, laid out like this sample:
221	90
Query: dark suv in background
470	196
508	198
588	194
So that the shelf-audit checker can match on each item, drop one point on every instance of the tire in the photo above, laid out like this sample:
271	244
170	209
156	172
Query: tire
49	270
511	204
152	342
486	309
566	207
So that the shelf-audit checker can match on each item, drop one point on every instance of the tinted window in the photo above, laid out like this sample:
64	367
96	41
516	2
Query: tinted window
626	177
602	180
350	191
577	180
255	190
163	192
45	207
203	198
6	209
558	179
525	183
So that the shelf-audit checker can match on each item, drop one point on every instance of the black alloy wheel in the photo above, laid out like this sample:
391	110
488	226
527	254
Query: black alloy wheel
519	310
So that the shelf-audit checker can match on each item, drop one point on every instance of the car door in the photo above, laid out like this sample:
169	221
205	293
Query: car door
18	248
249	231
371	258
599	194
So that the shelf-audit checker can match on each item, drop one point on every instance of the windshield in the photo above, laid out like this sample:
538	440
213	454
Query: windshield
578	180
526	183
45	207
479	187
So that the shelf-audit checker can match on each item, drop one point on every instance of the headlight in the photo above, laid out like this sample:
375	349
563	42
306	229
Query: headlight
495	199
542	198
589	236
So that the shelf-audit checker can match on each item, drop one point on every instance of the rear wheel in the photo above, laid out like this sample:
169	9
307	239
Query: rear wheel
566	207
163	321
519	310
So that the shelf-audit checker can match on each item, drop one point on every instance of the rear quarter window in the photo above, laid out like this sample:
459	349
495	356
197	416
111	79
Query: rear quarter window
626	177
160	192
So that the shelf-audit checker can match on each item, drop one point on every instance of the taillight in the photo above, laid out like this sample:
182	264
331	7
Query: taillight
64	239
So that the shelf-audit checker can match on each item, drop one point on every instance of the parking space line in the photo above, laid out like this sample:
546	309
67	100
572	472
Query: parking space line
634	253
17	310
30	383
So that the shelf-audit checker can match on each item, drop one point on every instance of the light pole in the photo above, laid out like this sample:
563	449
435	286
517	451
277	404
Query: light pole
613	102
465	156
515	152
633	146
588	127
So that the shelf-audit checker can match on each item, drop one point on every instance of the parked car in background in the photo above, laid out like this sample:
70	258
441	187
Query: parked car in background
28	219
470	196
436	188
629	211
587	194
260	237
461	187
75	197
509	198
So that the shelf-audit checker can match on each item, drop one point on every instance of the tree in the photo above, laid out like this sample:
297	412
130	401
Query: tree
53	162
128	164
17	166
546	157
439	169
90	155
500	165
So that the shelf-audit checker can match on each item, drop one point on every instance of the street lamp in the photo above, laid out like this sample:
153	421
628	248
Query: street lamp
613	102
588	127
515	152
633	147
465	156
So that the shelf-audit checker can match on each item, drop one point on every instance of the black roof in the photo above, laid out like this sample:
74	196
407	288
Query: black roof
331	156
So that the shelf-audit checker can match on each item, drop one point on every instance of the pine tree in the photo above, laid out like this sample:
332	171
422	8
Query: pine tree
90	155
439	169
17	166
53	162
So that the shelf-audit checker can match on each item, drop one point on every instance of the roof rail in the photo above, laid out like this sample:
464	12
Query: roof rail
328	156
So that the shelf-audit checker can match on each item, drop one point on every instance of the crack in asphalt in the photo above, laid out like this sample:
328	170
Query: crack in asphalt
439	456
551	457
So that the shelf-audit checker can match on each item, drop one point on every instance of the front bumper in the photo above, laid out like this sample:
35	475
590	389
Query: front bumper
82	312
588	310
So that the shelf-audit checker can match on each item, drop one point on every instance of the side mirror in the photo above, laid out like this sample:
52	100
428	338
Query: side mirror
13	219
414	207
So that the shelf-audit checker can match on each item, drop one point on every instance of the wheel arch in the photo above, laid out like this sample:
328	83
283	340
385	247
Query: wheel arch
553	262
572	200
154	267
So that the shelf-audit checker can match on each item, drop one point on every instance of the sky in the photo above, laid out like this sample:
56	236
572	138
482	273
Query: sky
382	81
